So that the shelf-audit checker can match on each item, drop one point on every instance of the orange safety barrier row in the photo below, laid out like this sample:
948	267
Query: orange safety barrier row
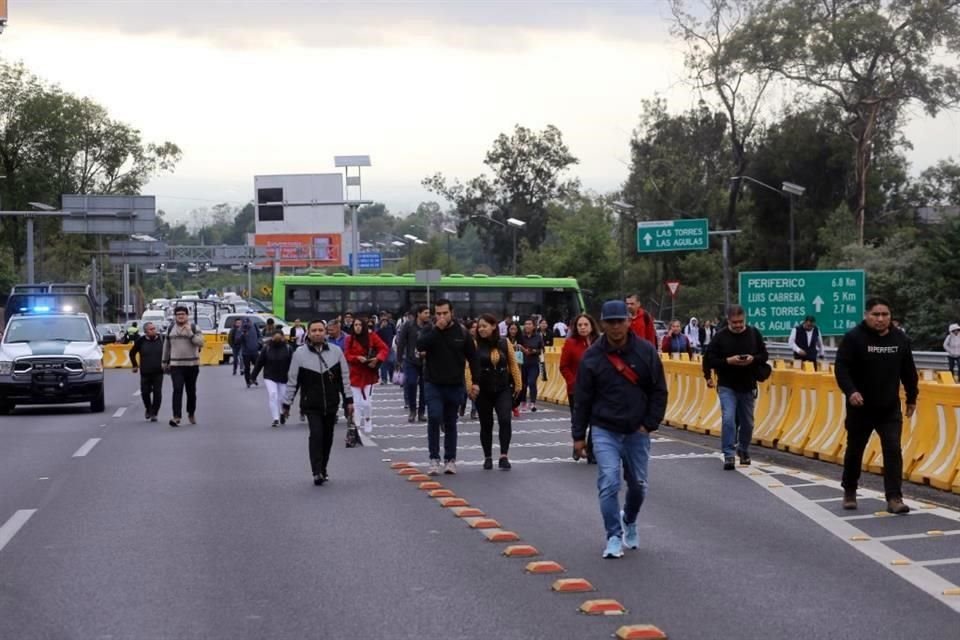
802	411
117	356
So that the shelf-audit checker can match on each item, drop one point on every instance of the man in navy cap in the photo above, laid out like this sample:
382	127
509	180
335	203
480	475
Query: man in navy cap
622	394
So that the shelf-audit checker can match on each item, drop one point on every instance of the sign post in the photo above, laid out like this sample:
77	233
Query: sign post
428	277
661	236
673	286
777	301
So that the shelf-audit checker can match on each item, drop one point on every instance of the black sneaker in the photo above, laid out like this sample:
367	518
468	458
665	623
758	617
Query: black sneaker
146	415
412	417
153	418
849	500
275	424
744	460
283	418
421	416
504	464
488	464
473	414
318	479
728	464
174	422
533	408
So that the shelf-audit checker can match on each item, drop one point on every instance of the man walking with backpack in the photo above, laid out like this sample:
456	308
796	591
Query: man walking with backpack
181	357
146	356
621	394
739	356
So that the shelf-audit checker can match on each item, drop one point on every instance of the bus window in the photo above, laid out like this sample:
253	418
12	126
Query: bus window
360	301
488	302
560	305
454	297
328	302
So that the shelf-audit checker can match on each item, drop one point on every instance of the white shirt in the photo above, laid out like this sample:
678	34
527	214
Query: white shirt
793	341
560	329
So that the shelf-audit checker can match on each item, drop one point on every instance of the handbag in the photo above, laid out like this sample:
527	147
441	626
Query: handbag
761	371
398	377
353	435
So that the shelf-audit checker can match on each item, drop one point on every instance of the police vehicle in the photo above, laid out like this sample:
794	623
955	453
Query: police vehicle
50	357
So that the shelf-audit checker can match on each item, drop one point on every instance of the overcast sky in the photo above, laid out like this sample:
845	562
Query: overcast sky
281	86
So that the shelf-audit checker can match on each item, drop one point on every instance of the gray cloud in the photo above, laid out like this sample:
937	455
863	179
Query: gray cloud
490	24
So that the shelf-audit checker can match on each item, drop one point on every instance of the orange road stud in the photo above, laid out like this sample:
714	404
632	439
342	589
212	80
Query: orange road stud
774	485
442	493
571	585
859	538
483	523
935	532
900	562
418	477
453	502
407	471
882	514
544	566
467	512
602	608
400	465
496	535
520	551
640	632
429	486
951	592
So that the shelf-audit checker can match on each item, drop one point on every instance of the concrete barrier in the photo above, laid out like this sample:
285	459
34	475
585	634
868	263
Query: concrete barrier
117	356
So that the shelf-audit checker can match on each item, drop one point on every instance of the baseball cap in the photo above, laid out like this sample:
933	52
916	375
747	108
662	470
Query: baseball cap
614	310
954	326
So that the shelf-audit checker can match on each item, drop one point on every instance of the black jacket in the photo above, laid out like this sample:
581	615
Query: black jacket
322	377
274	360
606	399
726	343
150	354
876	366
448	351
407	343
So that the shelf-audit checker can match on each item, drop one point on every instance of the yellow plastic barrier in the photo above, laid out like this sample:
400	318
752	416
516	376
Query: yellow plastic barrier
679	388
554	389
910	444
691	415
116	356
801	413
938	428
767	425
828	435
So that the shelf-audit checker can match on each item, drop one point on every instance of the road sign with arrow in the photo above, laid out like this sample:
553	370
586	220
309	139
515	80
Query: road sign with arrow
659	236
777	301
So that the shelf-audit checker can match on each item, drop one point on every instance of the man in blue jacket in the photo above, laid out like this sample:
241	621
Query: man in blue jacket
622	394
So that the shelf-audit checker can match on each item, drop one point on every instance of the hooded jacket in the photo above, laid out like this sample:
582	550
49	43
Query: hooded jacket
875	366
952	343
274	361
692	331
321	376
361	374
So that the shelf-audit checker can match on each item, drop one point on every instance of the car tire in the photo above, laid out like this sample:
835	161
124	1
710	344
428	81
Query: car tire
98	404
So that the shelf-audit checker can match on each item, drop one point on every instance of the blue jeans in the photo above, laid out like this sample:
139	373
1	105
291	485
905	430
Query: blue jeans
737	410
609	448
413	381
529	373
443	405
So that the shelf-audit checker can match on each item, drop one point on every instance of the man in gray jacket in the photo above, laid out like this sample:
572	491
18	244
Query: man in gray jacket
181	357
320	372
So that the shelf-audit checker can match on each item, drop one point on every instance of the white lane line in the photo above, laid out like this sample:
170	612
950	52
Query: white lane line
515	445
916	574
918	536
366	439
13	525
934	563
119	412
86	448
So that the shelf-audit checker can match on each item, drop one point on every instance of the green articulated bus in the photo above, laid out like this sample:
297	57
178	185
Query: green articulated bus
322	296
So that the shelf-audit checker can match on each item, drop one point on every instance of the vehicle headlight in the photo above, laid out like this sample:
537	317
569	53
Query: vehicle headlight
93	365
6	367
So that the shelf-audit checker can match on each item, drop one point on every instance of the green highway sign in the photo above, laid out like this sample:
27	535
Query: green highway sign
659	236
777	301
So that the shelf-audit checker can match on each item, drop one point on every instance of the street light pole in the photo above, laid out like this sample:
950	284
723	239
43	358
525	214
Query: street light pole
622	208
788	190
725	237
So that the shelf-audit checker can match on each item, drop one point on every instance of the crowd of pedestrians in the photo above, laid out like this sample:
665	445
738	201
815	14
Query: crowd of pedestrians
612	370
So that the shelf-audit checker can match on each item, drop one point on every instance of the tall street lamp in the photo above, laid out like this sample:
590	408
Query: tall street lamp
512	223
450	233
787	190
622	208
411	239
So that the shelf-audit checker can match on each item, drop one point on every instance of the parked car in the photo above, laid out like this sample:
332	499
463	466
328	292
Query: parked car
227	320
110	329
661	328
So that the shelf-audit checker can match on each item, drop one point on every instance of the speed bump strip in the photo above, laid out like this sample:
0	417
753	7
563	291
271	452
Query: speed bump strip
571	585
429	486
467	512
400	465
407	471
442	493
453	502
640	632
498	535
418	477
602	608
544	566
482	523
521	551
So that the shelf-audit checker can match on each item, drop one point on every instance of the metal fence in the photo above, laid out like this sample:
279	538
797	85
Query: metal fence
935	360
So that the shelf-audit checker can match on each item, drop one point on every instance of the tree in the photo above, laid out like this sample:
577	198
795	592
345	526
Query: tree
869	58
715	67
527	177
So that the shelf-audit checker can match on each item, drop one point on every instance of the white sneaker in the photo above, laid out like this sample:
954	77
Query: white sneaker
368	426
450	468
434	469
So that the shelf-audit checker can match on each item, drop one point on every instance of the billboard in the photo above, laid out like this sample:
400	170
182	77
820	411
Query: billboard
302	249
298	203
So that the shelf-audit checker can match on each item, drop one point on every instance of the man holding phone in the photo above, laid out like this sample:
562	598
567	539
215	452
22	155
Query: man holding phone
735	353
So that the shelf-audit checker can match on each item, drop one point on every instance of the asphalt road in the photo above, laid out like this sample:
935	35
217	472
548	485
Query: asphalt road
112	527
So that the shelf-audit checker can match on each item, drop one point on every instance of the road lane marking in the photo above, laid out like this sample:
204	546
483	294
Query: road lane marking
915	573
13	525
916	536
513	445
366	440
934	563
119	412
86	448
